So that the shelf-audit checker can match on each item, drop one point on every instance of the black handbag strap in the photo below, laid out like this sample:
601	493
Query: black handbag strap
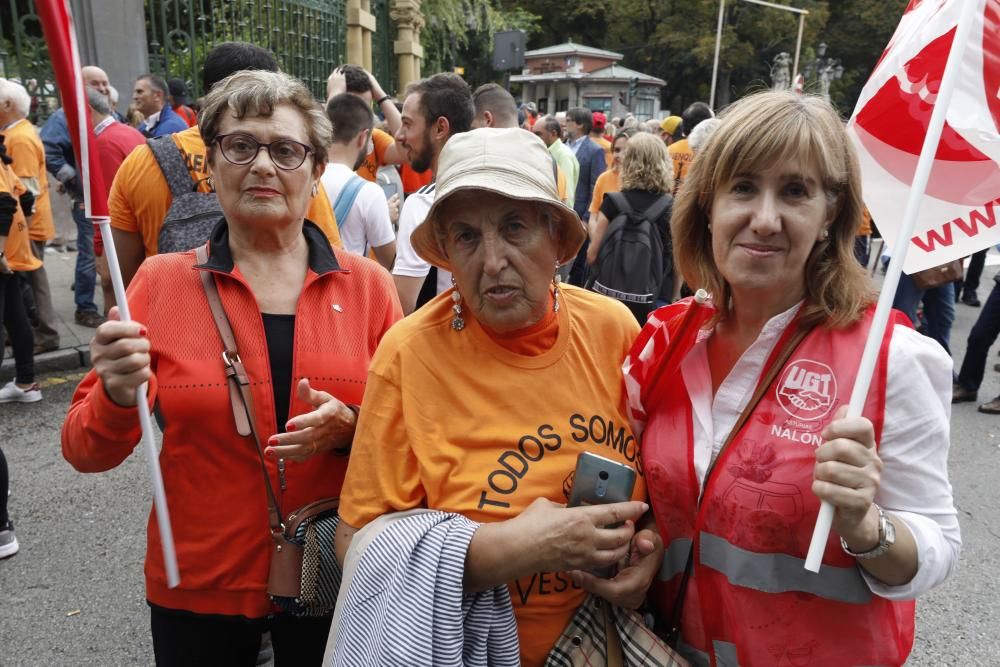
779	361
239	383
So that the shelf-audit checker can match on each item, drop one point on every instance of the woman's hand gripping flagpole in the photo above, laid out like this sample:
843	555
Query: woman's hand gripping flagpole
859	394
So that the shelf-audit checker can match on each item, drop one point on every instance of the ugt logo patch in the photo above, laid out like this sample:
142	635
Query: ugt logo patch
806	389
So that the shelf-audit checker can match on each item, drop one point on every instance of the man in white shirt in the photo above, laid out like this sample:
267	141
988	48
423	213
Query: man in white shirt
435	108
358	204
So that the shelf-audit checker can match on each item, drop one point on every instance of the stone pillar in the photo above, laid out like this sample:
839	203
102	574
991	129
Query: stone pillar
360	25
409	20
112	35
366	36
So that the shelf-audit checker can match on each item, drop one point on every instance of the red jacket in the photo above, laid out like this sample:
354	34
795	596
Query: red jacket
212	475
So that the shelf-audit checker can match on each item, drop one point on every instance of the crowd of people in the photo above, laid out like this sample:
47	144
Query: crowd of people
427	309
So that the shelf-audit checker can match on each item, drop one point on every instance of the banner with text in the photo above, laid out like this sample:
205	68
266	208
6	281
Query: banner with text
960	210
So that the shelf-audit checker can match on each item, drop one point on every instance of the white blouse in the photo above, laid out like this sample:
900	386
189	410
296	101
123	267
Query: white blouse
914	447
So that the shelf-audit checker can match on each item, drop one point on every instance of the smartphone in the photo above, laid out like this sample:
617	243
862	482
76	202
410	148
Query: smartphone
598	481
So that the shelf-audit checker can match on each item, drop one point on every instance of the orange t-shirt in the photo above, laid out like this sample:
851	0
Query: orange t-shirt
865	229
412	181
369	168
682	155
25	148
454	421
140	196
17	250
609	181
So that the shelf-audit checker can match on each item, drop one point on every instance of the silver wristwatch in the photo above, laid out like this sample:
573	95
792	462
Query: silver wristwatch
886	538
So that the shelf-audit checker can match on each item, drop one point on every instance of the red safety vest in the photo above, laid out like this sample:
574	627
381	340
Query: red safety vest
749	601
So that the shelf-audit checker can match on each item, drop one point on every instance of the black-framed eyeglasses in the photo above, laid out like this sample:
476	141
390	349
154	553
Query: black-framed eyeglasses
241	149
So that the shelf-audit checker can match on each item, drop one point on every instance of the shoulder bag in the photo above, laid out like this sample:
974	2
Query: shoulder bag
304	576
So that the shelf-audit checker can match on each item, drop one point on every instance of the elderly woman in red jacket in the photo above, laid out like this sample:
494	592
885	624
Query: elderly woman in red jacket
307	319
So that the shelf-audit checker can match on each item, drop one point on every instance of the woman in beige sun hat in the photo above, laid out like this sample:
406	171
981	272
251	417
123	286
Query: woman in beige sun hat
480	402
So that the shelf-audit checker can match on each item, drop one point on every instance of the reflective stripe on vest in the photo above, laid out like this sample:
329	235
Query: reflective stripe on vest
780	573
675	558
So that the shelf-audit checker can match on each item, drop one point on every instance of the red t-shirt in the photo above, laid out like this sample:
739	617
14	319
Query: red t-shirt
114	143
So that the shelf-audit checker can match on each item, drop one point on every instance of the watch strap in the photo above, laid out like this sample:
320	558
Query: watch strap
886	538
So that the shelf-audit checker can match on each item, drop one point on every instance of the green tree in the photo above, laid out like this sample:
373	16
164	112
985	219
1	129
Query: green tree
675	40
857	33
459	33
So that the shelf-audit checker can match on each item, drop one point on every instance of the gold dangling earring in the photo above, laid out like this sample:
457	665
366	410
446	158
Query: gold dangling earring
315	189
556	280
211	183
457	321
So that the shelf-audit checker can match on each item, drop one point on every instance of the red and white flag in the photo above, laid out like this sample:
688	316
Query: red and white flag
960	210
60	37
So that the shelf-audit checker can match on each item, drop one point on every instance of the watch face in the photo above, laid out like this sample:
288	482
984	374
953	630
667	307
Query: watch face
890	533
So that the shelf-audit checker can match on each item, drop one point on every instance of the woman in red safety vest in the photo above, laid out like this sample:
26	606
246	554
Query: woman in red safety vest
744	418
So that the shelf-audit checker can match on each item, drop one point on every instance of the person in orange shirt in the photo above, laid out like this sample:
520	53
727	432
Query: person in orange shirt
140	196
15	257
25	148
610	180
480	402
670	129
358	81
680	151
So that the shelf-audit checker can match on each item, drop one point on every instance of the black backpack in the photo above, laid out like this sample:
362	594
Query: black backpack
629	264
192	214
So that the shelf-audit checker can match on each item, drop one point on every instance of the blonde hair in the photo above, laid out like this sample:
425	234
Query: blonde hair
257	93
755	133
646	164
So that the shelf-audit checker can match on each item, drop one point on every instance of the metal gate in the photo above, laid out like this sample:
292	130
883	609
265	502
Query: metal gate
24	56
307	36
383	57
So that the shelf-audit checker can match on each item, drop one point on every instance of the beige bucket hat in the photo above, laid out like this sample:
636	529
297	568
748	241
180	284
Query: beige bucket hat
511	162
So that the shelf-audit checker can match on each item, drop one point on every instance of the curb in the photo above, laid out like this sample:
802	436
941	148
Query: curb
66	359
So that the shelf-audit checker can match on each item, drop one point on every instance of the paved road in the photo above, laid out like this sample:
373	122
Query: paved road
74	595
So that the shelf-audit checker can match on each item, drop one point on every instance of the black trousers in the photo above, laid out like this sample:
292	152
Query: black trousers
973	273
15	319
982	336
186	639
4	487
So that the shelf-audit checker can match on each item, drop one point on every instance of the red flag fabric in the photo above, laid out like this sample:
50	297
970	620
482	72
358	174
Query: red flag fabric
961	206
60	37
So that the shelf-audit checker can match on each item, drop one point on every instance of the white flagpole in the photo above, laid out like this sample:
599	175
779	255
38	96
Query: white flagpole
145	419
859	394
142	402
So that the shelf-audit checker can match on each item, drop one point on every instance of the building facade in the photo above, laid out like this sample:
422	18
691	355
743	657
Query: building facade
567	75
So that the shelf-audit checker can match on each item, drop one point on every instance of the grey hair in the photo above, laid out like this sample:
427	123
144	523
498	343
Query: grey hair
98	101
701	132
113	95
15	92
258	93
